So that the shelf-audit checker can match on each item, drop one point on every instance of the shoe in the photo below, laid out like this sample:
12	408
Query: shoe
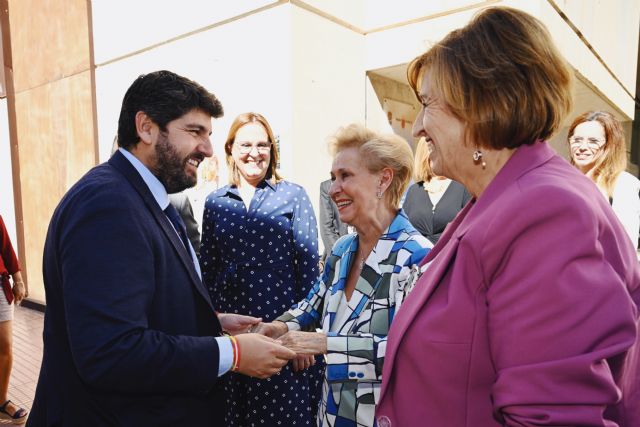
18	417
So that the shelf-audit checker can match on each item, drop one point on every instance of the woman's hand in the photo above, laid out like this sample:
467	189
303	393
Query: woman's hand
273	330
19	289
19	292
302	362
237	323
305	342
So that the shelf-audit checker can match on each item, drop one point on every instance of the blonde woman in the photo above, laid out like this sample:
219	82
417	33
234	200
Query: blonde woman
433	201
598	149
365	278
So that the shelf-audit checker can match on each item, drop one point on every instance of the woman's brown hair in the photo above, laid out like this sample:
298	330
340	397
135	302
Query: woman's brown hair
502	76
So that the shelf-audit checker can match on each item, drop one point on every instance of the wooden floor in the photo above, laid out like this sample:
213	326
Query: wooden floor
27	355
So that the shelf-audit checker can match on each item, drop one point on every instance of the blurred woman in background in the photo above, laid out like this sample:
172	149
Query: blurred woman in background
598	150
433	201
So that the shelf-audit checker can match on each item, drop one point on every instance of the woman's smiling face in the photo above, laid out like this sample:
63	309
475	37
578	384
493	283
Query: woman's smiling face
444	134
586	144
354	187
251	152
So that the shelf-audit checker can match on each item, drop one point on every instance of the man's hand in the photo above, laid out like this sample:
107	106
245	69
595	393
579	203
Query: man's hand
302	362
237	323
305	342
274	329
260	356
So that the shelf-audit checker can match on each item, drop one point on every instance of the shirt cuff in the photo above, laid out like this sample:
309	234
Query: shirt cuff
225	351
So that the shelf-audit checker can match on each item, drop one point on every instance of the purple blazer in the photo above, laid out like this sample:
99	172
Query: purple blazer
527	313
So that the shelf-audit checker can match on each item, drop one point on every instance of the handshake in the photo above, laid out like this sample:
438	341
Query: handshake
266	347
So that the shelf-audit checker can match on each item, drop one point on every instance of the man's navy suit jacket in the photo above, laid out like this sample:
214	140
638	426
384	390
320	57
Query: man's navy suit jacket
129	327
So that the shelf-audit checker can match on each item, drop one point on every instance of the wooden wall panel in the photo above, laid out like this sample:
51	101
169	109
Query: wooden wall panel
49	40
57	146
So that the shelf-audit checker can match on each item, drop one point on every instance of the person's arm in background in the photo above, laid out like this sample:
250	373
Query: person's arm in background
19	288
11	264
328	231
626	205
182	204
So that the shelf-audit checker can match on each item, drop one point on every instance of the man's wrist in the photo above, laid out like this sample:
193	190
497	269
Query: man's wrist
226	356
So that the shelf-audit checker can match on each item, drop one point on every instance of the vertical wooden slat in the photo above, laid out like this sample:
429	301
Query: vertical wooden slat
13	135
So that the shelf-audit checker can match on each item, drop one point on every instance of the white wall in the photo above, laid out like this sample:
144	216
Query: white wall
400	45
328	92
245	73
611	27
582	59
7	206
121	27
371	15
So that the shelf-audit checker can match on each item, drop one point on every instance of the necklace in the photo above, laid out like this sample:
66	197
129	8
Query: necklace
436	185
361	258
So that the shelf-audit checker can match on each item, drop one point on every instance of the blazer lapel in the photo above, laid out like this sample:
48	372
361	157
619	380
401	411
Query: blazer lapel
119	162
440	258
380	261
340	280
369	278
525	158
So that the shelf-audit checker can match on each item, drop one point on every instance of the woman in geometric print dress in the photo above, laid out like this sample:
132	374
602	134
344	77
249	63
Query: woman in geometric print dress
365	276
259	256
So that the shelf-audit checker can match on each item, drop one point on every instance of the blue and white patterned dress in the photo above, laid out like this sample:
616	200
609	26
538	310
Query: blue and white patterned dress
356	347
260	262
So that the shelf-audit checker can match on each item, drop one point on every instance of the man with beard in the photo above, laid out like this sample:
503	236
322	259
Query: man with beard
130	335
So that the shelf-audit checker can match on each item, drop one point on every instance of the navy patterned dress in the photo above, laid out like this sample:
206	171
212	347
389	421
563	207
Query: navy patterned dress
261	262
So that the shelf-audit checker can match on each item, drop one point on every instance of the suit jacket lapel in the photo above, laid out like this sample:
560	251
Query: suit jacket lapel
340	280
119	162
440	258
525	158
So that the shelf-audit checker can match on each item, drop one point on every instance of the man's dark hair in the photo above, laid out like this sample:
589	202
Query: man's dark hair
164	96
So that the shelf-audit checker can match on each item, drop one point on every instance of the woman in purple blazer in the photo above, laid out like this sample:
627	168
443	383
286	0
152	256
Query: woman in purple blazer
527	311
